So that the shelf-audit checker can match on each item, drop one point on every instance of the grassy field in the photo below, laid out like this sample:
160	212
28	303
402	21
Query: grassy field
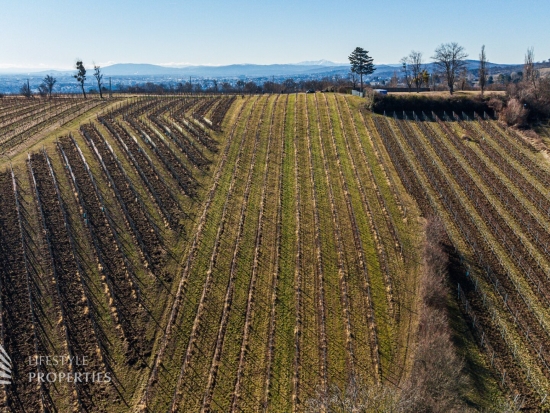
251	253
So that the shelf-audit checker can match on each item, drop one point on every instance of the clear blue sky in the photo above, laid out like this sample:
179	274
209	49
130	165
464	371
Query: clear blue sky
53	33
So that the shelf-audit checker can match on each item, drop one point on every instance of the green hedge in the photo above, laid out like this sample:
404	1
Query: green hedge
428	103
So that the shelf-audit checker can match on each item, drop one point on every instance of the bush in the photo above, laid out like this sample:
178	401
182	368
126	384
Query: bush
514	113
370	96
533	95
497	103
26	90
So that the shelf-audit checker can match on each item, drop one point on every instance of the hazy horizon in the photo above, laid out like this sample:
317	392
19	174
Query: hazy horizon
168	65
24	70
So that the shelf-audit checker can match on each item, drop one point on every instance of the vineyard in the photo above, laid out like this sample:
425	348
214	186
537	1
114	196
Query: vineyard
94	225
491	188
292	262
22	120
219	253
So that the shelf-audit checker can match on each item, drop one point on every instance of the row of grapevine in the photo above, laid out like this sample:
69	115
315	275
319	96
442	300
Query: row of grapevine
490	232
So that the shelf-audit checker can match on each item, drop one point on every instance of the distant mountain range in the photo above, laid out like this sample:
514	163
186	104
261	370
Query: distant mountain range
311	68
237	70
321	62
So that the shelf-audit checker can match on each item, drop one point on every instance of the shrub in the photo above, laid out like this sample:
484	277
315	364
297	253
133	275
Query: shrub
514	113
436	379
370	96
534	96
497	103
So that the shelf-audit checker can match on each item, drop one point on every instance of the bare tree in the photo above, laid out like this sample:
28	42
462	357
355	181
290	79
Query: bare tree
197	88
99	77
463	78
250	87
482	69
80	75
43	90
449	59
414	64
26	90
529	66
394	81
226	87
240	85
434	79
289	85
49	82
406	71
353	78
530	73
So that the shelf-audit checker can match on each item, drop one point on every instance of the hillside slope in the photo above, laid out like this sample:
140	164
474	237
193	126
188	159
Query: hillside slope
212	253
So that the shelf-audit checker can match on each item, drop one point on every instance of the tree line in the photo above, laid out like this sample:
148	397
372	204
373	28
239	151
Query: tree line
289	85
448	67
336	83
527	95
449	61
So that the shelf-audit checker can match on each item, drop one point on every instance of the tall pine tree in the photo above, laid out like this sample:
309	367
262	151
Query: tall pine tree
361	63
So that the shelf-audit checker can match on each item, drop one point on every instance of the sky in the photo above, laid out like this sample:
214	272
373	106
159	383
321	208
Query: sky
53	34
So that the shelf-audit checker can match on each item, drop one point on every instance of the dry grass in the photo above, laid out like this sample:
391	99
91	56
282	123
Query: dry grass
437	380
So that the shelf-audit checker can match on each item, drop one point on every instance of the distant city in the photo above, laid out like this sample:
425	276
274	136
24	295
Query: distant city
128	77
